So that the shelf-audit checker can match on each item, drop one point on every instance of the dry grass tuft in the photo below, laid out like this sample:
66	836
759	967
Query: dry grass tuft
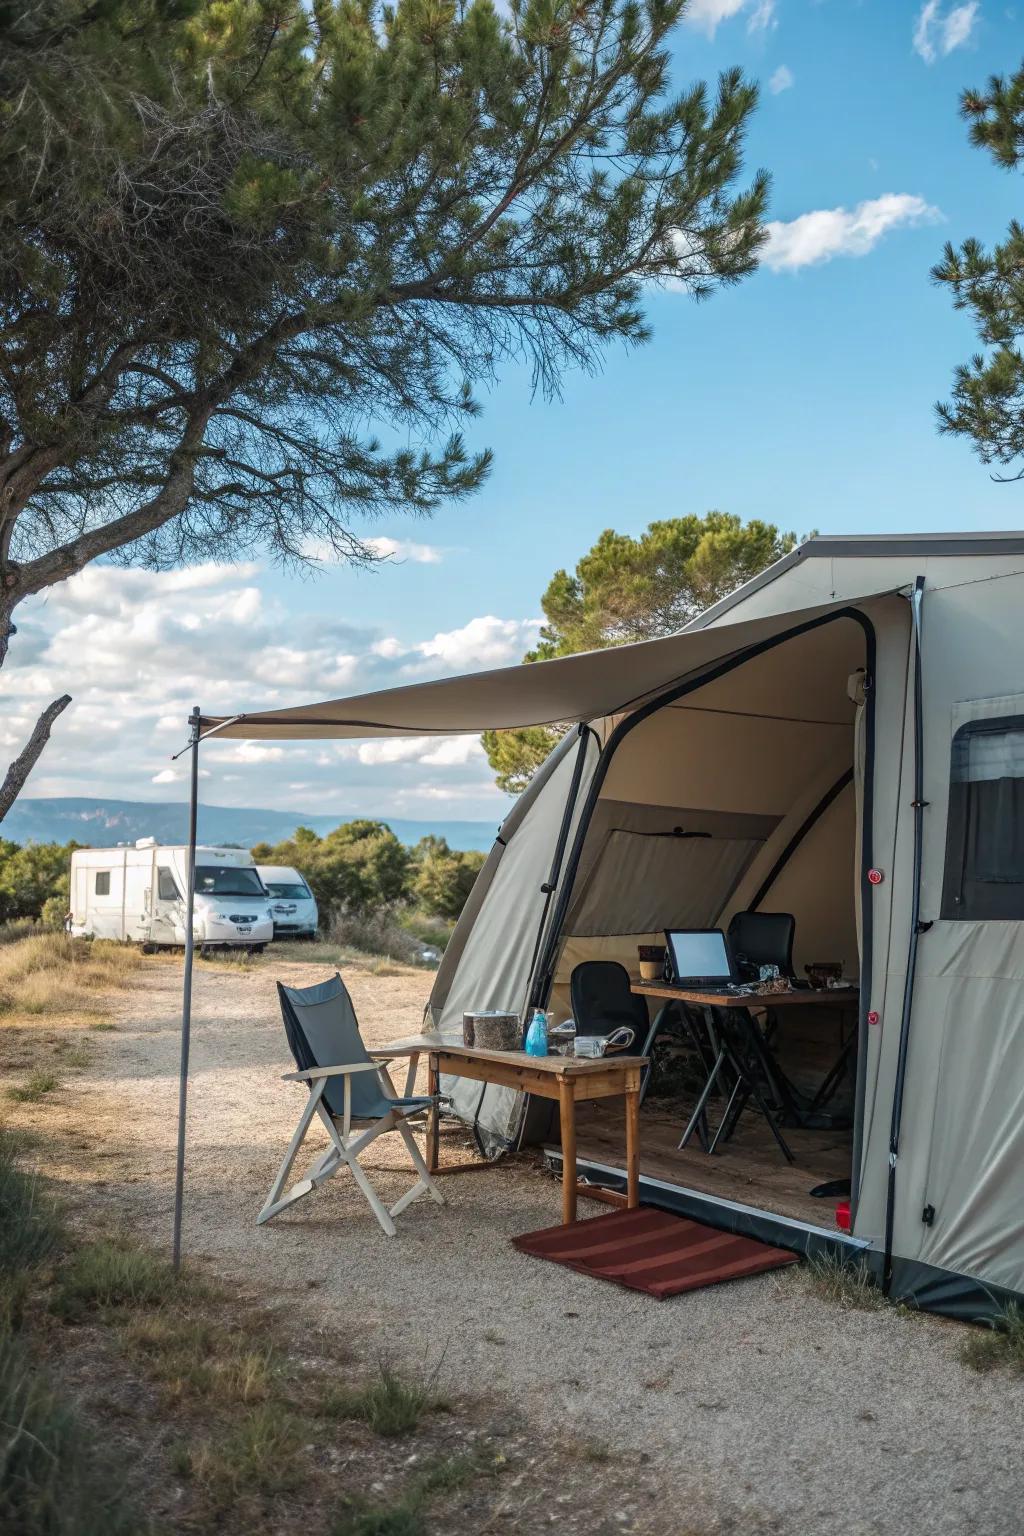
35	1087
849	1285
114	1273
193	1357
405	1518
256	1455
50	973
390	1404
1000	1347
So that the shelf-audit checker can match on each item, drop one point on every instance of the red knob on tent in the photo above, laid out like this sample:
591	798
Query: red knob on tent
875	876
874	1017
843	1221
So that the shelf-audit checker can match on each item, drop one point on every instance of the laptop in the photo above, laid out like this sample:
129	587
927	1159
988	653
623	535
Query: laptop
700	958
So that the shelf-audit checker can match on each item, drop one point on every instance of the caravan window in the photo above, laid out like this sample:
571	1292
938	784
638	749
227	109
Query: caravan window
103	882
166	888
984	876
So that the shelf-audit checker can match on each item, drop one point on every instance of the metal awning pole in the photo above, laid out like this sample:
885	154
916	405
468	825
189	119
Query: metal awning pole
186	991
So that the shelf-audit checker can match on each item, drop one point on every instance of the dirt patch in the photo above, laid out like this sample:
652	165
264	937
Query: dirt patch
759	1406
474	1461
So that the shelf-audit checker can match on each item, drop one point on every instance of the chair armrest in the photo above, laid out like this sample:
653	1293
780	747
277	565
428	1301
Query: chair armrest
312	1073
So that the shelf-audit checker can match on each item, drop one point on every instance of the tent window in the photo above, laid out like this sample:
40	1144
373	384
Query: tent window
984	875
103	882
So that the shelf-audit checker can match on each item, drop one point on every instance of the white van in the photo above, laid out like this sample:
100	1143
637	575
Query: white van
292	903
139	893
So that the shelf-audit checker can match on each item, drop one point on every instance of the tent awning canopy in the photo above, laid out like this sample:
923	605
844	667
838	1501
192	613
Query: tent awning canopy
583	687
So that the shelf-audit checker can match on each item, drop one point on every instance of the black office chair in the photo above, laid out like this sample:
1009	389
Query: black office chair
762	938
602	1001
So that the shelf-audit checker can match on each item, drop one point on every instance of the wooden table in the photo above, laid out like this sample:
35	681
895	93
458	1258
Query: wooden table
568	1079
790	999
708	1001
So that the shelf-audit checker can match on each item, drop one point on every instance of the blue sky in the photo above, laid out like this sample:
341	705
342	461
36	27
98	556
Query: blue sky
804	396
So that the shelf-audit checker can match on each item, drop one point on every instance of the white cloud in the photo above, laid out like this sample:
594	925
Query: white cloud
247	752
435	751
483	642
137	649
781	80
937	32
828	232
390	749
405	549
762	18
708	15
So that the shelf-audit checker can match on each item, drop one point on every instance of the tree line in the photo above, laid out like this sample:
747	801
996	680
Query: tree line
360	867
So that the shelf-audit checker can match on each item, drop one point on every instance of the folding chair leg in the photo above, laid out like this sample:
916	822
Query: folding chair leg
376	1205
274	1203
348	1153
425	1183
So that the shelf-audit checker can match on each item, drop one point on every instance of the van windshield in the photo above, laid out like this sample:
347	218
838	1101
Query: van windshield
227	880
283	890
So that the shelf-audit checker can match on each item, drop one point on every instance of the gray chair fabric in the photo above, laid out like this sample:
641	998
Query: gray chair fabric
322	1030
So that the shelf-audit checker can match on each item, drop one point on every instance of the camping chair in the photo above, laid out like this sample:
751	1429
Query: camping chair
766	938
602	1001
323	1034
762	938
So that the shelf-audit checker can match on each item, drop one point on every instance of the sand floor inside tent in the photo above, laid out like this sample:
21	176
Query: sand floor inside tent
756	1406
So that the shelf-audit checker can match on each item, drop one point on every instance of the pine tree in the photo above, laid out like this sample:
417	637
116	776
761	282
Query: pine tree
988	392
240	238
626	589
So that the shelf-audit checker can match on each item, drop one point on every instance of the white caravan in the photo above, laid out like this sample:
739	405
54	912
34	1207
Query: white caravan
139	893
292	903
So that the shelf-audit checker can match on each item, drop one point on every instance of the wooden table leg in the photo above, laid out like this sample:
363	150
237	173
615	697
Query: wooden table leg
567	1117
632	1148
410	1075
433	1114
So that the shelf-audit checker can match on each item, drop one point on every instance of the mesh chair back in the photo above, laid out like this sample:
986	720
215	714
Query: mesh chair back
601	1000
322	1031
762	938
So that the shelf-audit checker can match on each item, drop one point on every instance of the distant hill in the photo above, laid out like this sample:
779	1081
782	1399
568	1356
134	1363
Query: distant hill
104	823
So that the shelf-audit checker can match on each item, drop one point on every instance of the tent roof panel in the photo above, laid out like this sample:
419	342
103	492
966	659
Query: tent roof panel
584	687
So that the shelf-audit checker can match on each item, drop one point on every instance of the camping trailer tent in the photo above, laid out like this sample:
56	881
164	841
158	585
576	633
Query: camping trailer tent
843	739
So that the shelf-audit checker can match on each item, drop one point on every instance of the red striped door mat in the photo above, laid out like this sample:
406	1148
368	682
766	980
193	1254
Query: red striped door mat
653	1251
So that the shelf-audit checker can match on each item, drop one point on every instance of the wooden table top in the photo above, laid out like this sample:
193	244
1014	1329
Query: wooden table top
794	997
453	1048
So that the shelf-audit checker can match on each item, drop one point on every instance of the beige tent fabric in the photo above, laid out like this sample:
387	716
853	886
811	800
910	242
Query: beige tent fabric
452	957
493	970
585	687
642	882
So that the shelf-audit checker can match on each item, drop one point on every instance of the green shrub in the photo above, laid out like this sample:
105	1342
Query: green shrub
53	913
373	932
429	930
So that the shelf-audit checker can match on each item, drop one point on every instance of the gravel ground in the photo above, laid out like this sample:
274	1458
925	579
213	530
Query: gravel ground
758	1405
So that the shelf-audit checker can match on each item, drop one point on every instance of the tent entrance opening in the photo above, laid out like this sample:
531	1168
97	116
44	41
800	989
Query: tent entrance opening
741	796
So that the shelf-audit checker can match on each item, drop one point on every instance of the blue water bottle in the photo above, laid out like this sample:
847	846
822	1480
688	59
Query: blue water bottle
537	1034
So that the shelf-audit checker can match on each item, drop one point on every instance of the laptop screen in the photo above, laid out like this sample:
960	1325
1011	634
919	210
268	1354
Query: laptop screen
699	952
